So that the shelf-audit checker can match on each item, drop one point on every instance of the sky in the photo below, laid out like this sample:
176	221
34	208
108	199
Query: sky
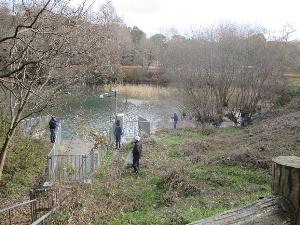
161	16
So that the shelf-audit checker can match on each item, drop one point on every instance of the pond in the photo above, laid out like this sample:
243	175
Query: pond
98	113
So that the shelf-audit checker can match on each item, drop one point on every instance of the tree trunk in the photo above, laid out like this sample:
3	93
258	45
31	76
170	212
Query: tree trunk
4	150
286	180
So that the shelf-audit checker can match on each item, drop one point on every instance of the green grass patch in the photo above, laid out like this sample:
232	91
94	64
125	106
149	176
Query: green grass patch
294	81
196	135
143	216
231	130
222	187
292	93
172	140
178	215
105	164
172	190
175	139
239	176
26	160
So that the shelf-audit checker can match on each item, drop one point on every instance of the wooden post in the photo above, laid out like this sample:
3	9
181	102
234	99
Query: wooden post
286	180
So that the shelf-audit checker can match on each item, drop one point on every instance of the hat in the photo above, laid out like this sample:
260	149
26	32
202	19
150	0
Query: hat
137	138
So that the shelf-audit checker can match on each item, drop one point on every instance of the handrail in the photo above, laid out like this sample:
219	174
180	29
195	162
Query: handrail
42	218
71	155
17	205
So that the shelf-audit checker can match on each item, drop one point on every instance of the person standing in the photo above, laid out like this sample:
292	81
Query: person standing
52	126
183	115
118	133
136	153
242	118
175	118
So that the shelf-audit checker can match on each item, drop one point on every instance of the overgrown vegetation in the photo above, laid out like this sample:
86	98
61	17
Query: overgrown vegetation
292	93
170	188
26	161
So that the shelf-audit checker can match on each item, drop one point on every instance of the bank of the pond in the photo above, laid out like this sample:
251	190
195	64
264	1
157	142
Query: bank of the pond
24	165
170	188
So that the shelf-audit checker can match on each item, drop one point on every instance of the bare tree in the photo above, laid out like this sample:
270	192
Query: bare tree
42	52
236	65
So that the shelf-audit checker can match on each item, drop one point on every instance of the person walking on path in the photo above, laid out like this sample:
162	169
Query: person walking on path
52	126
136	153
118	133
175	118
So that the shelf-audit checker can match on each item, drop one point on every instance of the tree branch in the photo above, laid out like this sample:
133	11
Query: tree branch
26	26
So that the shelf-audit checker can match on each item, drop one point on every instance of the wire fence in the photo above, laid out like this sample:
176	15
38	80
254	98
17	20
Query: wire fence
55	150
41	206
74	167
131	128
62	167
37	208
36	123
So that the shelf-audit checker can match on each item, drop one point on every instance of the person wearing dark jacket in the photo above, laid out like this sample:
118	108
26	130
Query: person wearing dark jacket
52	126
136	153
175	118
118	133
242	118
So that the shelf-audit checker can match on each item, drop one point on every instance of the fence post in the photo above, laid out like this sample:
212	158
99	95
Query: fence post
49	167
9	216
85	168
92	160
81	167
32	196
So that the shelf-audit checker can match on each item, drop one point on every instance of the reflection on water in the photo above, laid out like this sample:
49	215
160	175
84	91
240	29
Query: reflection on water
99	112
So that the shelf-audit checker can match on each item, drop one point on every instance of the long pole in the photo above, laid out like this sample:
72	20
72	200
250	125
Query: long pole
14	7
116	104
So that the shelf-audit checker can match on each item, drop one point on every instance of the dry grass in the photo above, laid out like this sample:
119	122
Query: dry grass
144	91
292	75
294	81
293	78
188	174
169	188
150	68
276	134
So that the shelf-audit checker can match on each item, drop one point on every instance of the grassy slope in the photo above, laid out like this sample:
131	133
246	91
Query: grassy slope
187	175
177	191
170	188
25	161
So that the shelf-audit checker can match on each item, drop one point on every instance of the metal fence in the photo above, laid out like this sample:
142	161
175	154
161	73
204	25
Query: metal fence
130	129
140	127
71	167
40	206
74	167
55	150
13	214
144	127
27	125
